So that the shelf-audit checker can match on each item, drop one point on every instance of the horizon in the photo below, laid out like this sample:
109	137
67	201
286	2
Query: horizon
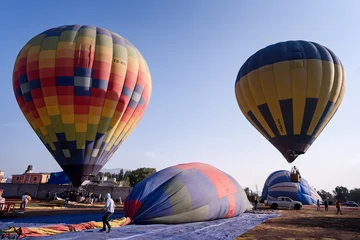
194	51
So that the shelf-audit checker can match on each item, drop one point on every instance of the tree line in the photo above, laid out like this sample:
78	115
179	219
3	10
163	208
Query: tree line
129	178
341	193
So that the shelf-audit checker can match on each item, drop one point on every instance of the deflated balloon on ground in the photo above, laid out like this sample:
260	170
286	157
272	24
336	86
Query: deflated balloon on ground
184	193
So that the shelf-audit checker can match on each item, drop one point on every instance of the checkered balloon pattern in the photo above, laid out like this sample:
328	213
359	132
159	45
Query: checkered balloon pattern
83	90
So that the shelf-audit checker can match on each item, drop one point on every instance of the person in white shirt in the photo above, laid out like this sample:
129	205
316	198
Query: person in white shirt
2	203
24	200
109	208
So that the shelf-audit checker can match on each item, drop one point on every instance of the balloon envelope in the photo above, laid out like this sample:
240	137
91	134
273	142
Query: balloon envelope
83	89
186	193
289	91
278	184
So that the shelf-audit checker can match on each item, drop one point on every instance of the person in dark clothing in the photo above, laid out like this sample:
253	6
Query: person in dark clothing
48	196
318	205
256	204
67	198
326	203
338	207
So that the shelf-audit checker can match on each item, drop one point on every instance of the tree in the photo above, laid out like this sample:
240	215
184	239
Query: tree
341	193
121	175
325	195
133	177
107	174
126	180
354	195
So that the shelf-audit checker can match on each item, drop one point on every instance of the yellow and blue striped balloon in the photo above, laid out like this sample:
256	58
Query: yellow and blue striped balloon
289	91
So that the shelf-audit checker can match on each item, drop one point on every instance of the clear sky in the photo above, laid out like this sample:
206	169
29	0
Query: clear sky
194	50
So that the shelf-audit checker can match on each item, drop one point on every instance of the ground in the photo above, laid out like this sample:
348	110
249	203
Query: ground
291	225
309	224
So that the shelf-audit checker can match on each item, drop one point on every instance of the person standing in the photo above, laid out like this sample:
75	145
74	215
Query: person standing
48	196
318	205
67	198
338	207
256	203
24	200
326	203
109	208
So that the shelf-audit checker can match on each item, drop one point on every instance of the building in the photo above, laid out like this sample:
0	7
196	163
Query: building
30	178
105	181
2	176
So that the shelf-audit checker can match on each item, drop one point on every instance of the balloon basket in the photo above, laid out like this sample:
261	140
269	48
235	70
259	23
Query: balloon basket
295	177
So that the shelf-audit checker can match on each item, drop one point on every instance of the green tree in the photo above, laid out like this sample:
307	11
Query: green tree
139	174
126	179
341	193
107	174
354	195
121	175
325	195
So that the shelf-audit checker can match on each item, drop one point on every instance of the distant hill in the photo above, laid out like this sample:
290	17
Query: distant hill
114	170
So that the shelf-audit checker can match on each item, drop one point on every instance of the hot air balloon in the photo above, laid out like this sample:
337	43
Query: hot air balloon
83	89
184	193
279	184
289	91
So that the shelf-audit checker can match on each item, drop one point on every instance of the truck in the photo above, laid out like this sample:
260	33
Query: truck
283	202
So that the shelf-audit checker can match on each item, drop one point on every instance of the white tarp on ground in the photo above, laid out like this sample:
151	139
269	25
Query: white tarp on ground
225	229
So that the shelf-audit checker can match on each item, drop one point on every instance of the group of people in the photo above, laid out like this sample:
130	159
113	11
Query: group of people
81	197
326	204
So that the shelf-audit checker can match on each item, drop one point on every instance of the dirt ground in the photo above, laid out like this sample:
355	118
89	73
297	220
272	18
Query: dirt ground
309	224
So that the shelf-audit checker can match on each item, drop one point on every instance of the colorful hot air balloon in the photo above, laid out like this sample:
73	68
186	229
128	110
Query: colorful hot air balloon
189	192
83	90
279	184
289	91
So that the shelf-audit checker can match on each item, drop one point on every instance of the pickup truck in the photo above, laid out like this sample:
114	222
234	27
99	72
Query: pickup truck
283	202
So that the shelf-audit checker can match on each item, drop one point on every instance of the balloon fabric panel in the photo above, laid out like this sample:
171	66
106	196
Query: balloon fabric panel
289	91
83	90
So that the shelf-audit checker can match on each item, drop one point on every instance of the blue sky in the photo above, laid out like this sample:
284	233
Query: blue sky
194	50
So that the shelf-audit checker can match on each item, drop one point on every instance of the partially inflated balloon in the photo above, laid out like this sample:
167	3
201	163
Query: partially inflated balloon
289	91
184	193
279	184
83	89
